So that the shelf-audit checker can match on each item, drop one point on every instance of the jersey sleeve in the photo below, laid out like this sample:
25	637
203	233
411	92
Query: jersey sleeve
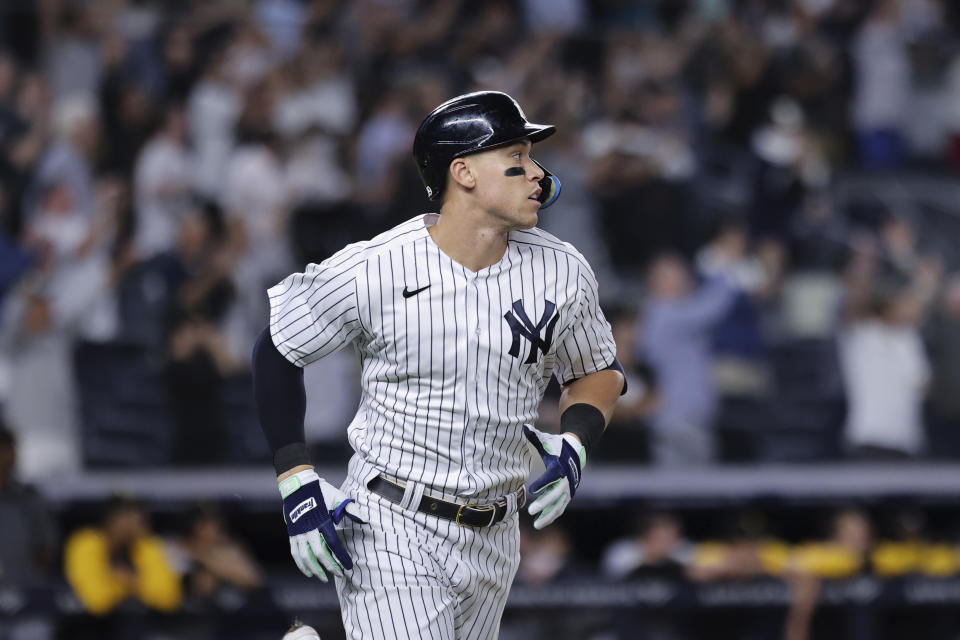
315	313
587	345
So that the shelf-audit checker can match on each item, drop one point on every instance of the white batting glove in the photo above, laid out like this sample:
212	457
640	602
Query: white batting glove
312	507
564	457
301	632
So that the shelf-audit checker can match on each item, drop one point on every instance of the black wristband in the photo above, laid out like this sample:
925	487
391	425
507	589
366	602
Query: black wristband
584	421
289	456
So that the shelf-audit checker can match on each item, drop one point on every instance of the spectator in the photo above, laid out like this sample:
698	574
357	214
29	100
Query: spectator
192	278
53	304
675	339
789	165
564	16
178	63
15	260
27	543
641	159
195	373
210	561
943	343
127	113
546	557
657	549
68	160
579	217
884	416
72	49
747	551
951	104
249	58
627	437
843	554
256	206
738	343
898	241
120	562
197	294
27	530
882	87
21	146
383	139
213	109
162	184
910	550
323	96
282	22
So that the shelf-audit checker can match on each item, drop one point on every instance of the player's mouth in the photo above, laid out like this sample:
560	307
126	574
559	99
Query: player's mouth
535	195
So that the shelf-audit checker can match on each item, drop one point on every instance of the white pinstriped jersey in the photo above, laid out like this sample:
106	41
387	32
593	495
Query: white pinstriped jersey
453	362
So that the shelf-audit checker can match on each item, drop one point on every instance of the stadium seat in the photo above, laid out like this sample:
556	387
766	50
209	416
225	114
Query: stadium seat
123	408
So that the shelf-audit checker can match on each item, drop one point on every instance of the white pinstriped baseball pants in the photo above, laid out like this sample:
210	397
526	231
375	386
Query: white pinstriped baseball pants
416	576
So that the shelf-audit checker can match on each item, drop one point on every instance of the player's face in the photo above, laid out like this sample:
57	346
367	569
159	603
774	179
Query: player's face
507	184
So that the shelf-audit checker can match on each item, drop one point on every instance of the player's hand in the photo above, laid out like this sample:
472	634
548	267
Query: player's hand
314	543
564	457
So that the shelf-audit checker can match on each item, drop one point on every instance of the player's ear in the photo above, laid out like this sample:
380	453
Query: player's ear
462	174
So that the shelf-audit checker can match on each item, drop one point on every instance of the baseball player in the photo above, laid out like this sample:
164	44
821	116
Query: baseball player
459	320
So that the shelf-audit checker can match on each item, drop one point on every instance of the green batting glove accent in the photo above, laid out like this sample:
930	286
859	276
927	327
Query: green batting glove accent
289	485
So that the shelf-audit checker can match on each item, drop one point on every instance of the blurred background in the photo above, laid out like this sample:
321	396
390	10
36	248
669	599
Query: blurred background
767	190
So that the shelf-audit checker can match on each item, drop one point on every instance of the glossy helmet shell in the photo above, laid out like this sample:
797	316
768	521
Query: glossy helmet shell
470	123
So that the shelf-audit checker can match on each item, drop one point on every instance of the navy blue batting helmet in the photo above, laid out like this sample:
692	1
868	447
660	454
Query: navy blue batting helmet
470	123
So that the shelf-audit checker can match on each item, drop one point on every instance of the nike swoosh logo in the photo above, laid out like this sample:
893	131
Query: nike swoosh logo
410	294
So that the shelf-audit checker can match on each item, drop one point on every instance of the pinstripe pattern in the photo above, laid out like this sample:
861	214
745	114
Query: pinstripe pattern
442	406
417	576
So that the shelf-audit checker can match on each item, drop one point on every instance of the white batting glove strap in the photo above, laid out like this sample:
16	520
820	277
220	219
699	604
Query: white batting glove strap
574	442
292	483
553	442
333	497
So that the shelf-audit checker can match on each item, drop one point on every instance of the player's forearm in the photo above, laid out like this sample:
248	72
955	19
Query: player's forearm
600	389
281	404
297	469
587	404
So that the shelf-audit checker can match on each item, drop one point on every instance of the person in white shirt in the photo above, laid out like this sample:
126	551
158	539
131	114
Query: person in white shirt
162	184
886	374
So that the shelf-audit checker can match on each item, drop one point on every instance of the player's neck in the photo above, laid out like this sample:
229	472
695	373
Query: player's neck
468	239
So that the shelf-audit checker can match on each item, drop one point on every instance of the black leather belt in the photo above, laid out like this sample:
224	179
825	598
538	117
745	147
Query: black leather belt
465	515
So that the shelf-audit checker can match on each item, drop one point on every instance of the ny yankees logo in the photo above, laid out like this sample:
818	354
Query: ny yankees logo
520	325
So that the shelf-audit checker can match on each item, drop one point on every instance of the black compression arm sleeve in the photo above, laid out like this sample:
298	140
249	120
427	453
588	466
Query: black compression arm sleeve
281	403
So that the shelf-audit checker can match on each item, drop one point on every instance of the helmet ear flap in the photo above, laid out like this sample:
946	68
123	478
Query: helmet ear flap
549	187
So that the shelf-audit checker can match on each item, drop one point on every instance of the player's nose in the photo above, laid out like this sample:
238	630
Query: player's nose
534	172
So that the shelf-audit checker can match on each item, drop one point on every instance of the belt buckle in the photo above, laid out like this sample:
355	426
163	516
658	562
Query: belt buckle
492	508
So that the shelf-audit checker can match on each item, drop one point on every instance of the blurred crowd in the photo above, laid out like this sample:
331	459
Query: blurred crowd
747	546
727	168
185	579
162	164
